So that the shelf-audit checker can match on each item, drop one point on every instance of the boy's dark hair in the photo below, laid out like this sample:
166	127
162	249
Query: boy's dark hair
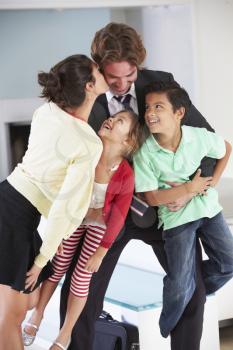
117	42
66	81
176	95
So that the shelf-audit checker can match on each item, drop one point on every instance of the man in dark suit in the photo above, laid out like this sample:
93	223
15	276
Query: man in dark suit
119	52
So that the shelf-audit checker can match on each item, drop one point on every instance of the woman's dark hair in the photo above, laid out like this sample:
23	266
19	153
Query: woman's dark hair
176	95
117	42
65	83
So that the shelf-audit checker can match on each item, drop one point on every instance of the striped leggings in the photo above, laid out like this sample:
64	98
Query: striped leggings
81	278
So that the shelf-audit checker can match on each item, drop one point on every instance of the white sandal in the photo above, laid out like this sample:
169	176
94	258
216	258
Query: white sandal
62	347
28	339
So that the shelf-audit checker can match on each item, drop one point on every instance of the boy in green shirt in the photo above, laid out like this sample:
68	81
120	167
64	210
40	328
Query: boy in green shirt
172	153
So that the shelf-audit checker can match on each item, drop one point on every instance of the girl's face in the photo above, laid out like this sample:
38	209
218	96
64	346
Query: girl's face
116	128
100	85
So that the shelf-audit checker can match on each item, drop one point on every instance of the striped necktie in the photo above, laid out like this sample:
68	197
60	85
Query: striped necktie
124	100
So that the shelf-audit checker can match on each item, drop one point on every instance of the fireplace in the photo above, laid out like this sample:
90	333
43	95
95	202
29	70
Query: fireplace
15	119
18	140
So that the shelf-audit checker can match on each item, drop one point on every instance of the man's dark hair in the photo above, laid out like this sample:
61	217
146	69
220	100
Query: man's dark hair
176	95
117	42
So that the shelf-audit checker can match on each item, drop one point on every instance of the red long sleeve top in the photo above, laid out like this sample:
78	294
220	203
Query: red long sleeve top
117	202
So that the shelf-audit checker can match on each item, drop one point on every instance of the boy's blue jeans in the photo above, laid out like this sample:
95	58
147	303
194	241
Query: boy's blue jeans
180	247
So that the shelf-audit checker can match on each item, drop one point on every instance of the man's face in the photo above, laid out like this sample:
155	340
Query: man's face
119	76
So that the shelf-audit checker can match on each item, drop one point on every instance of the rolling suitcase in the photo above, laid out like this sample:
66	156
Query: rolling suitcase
111	334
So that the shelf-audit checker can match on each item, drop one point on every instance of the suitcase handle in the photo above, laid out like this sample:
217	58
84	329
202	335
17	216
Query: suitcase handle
106	316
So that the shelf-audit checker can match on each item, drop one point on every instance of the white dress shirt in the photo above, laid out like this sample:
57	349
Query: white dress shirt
115	106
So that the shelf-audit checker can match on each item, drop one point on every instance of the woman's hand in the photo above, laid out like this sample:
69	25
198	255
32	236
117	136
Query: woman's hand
199	184
93	263
32	276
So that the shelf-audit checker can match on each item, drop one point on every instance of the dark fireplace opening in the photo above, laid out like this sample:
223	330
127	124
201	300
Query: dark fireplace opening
18	137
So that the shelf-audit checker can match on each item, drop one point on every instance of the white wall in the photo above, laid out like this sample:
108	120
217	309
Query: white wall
167	34
213	36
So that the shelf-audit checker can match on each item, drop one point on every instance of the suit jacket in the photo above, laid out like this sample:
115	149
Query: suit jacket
193	118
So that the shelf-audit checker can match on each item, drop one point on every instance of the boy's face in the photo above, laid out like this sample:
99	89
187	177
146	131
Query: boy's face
159	115
119	76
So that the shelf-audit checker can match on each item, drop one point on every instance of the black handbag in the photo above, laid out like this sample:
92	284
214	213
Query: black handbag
111	334
138	206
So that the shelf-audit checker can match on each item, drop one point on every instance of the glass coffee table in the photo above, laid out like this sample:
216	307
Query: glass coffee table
135	295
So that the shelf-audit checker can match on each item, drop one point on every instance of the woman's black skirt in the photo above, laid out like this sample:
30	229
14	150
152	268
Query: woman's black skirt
19	239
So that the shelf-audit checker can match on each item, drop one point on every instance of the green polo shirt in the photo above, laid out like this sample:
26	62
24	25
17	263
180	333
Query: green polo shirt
154	165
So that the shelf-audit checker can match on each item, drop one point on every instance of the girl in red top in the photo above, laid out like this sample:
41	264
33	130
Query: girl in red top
111	198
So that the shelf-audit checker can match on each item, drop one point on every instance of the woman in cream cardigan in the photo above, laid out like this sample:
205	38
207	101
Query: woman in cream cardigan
55	179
